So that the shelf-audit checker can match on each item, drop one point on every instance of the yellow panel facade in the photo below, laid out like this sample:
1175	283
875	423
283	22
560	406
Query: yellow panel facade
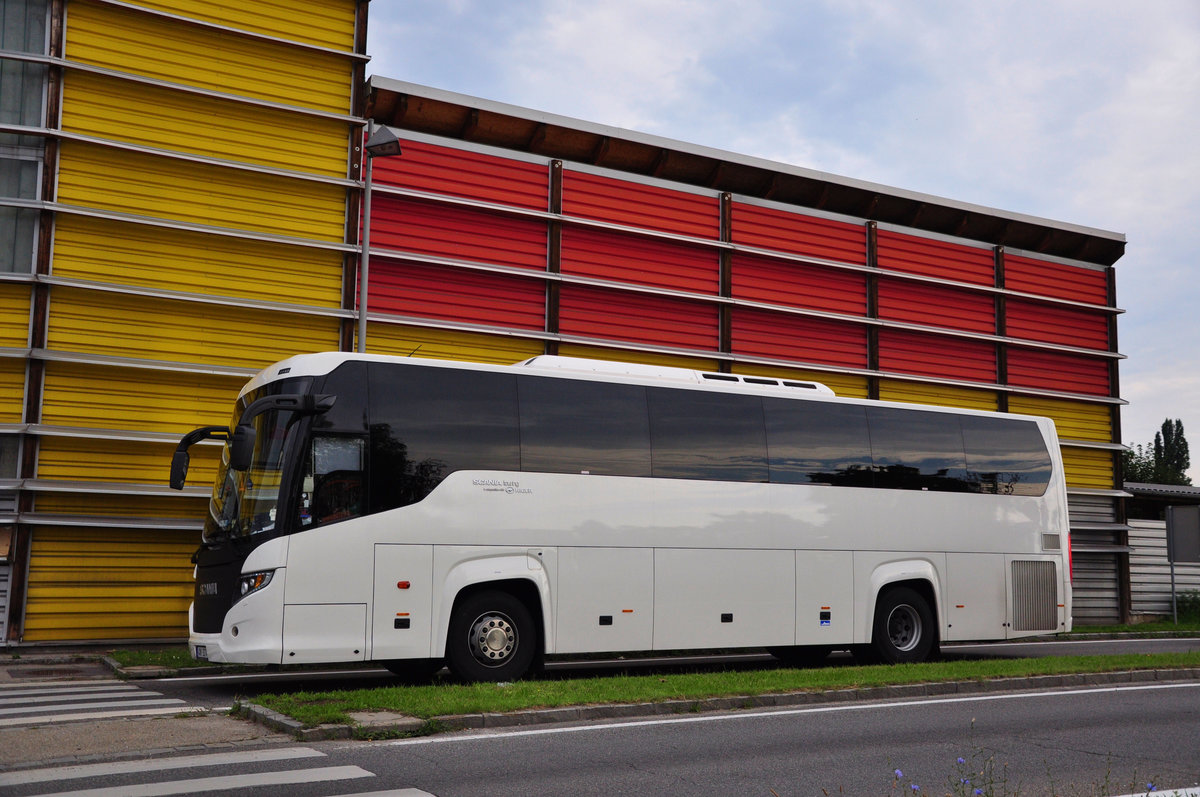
1075	420
844	385
632	356
162	118
108	584
90	175
14	315
142	506
102	250
119	461
324	23
126	40
134	399
12	389
941	395
141	327
1088	467
441	344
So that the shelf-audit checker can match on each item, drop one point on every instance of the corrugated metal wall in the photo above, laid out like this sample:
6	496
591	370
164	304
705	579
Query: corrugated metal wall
1150	570
199	231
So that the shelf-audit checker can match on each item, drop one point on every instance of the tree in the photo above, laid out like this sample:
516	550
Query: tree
1165	461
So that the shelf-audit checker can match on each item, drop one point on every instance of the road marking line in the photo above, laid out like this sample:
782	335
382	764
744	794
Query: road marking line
7	685
59	697
156	765
291	776
164	701
32	690
787	712
43	719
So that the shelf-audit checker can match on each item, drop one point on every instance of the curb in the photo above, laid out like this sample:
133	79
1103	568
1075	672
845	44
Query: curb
383	724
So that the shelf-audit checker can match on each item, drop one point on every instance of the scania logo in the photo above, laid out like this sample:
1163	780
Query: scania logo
208	588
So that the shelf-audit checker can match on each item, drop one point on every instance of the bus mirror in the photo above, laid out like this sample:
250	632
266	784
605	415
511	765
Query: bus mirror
179	461
241	447
179	469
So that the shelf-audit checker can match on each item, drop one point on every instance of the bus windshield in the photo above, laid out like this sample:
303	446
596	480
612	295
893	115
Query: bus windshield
244	503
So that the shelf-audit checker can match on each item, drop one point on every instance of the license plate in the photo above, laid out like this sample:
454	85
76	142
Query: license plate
201	653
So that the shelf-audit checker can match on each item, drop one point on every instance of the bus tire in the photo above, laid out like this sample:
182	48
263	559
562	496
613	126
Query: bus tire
492	637
904	627
801	655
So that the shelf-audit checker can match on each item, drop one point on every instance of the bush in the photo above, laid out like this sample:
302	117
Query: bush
1187	604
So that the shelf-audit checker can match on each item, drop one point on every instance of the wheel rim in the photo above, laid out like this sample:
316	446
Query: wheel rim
904	628
493	639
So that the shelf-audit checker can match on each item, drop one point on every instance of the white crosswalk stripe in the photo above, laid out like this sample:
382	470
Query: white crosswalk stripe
101	779
43	702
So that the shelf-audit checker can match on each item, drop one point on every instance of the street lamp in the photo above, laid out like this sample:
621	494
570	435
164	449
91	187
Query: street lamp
381	143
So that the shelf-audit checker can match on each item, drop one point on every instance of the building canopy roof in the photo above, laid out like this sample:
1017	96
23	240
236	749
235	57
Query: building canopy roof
408	106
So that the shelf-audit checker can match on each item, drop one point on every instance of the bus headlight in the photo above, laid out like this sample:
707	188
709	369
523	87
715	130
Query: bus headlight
253	582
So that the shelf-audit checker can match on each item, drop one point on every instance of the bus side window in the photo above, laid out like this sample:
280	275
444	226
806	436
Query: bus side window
333	481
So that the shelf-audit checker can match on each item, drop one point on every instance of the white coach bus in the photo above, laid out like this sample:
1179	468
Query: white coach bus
415	512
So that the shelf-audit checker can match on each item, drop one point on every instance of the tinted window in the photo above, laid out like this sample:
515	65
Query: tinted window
570	426
1006	456
915	450
815	442
699	435
349	411
429	422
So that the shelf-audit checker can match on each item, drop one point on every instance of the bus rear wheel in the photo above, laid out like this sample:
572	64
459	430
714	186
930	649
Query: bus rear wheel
492	637
904	627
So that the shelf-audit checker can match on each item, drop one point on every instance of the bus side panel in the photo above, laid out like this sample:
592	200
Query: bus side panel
824	597
605	600
723	598
976	605
314	633
402	611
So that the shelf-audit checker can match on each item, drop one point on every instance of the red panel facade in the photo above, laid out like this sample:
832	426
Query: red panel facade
795	233
780	336
1049	370
609	255
603	314
932	258
456	172
457	232
1050	323
1075	283
453	294
937	305
792	284
904	352
591	196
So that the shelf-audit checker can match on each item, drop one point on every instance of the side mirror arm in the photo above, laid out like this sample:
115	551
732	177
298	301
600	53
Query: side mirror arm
180	460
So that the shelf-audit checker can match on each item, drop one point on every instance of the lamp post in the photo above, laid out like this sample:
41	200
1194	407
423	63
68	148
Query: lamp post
381	142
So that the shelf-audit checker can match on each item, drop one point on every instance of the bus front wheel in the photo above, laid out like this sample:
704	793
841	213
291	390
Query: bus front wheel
492	637
904	627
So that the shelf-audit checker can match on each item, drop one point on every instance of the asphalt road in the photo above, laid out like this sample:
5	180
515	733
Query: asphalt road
1095	741
1098	741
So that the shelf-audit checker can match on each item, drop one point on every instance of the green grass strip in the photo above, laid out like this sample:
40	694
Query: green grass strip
425	702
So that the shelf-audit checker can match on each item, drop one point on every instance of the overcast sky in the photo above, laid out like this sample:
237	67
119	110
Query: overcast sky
1085	112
